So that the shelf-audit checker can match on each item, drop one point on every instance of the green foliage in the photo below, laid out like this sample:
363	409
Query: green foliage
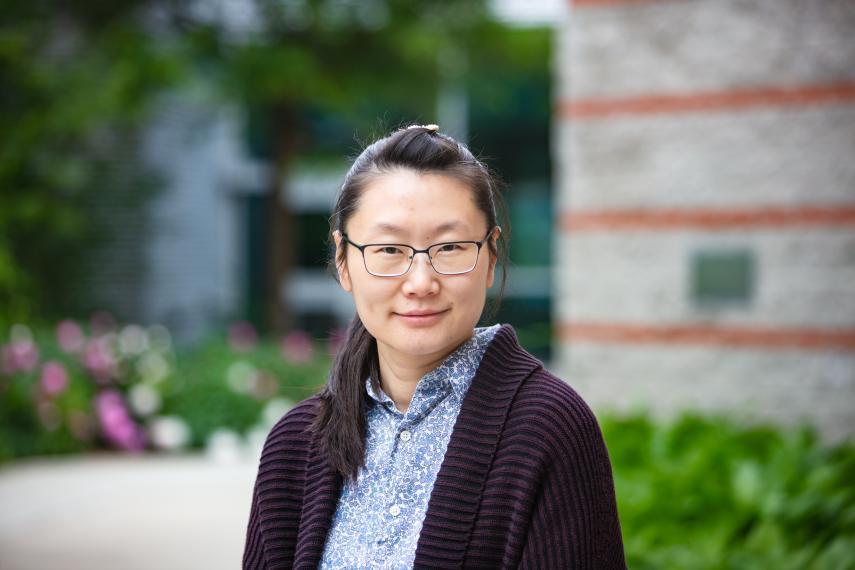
204	393
29	421
75	82
708	493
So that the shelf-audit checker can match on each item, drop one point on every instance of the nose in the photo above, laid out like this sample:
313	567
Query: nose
421	279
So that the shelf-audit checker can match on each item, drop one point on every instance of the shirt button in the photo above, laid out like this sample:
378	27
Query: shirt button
405	435
395	510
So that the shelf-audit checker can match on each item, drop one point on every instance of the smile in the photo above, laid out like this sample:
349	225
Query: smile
421	318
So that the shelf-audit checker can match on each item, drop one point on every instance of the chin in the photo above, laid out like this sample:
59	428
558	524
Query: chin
428	341
419	346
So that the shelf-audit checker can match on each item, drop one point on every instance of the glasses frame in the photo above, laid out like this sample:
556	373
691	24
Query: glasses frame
361	248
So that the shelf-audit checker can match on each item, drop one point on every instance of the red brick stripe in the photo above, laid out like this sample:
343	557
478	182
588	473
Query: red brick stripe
713	101
706	219
709	335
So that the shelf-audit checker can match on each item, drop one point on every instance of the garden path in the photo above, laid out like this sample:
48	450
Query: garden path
151	512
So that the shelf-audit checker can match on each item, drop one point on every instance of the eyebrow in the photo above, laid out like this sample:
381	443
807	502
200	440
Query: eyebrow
392	228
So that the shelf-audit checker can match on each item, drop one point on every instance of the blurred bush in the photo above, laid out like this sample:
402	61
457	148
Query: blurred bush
707	493
69	389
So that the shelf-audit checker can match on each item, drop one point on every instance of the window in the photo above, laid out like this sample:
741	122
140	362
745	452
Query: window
722	277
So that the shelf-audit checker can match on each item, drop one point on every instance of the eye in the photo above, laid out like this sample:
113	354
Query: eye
448	247
388	250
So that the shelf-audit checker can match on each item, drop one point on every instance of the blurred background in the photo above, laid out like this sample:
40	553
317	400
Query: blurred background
681	192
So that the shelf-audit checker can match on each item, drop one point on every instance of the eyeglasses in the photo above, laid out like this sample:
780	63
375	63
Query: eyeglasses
395	259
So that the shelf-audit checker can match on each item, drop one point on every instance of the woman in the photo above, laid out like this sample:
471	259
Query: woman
434	444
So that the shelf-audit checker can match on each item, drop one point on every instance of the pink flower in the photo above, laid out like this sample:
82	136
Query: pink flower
297	346
98	360
242	336
54	378
20	356
116	423
70	336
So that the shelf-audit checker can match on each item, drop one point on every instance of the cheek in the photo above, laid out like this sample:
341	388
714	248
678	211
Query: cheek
471	293
369	294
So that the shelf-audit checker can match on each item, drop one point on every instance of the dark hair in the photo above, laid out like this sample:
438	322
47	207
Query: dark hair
340	424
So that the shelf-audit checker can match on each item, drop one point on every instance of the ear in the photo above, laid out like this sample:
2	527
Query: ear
341	266
491	270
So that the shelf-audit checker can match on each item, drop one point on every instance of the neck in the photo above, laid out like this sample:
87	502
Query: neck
400	373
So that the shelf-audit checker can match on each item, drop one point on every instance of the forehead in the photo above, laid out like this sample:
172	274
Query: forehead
406	203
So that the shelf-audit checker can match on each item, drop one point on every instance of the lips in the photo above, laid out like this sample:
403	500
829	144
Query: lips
421	313
421	317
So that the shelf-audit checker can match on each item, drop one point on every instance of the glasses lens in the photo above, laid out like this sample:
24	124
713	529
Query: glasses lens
454	257
386	260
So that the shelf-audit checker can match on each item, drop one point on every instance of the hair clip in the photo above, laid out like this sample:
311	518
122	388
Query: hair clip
433	128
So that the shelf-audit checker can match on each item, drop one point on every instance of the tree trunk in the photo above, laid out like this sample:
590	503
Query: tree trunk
288	136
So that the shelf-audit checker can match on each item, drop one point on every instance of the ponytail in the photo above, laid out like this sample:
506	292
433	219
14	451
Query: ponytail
340	423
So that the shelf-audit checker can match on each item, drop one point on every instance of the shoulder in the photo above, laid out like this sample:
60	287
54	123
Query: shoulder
549	406
544	406
293	429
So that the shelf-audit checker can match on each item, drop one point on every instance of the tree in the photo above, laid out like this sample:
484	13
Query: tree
76	80
79	77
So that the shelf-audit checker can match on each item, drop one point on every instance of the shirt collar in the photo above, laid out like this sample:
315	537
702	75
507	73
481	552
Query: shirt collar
455	372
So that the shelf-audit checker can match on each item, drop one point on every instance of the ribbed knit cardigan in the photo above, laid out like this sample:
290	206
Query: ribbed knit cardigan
526	481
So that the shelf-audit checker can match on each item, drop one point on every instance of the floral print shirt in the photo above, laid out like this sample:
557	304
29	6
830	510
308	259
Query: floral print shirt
380	515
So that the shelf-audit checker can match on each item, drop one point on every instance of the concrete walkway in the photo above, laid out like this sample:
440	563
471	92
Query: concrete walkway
124	513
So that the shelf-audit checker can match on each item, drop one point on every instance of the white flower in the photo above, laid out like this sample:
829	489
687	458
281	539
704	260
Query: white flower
169	432
224	446
239	376
152	367
133	340
144	399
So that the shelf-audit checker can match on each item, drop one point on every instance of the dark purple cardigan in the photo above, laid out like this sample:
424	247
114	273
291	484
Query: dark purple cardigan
526	481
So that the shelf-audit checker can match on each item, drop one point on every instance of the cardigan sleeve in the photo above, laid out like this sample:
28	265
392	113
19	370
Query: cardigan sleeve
277	497
575	521
253	554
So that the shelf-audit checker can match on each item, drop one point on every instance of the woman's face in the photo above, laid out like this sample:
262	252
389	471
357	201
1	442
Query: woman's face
420	210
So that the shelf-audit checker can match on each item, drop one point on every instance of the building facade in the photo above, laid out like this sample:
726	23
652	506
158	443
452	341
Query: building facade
705	162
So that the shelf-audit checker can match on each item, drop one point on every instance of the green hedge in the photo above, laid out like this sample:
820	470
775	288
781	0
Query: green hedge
708	493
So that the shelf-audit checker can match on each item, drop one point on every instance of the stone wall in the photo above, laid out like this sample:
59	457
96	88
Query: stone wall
690	128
